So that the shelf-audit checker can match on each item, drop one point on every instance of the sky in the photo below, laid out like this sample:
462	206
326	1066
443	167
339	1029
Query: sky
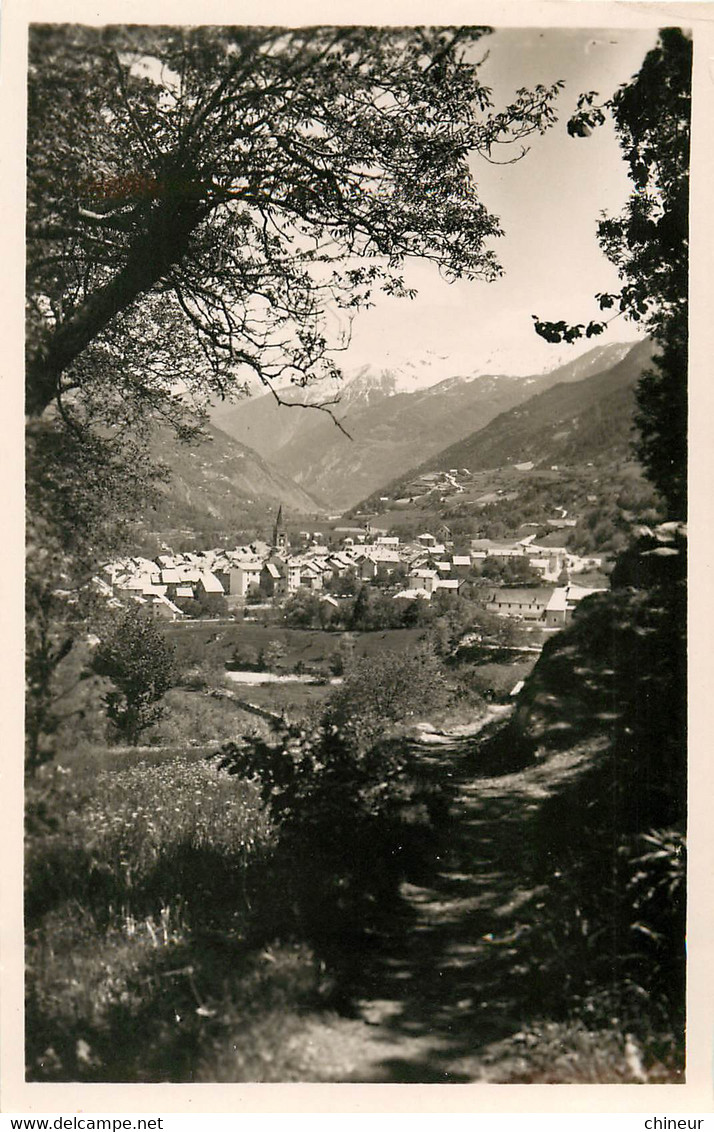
548	204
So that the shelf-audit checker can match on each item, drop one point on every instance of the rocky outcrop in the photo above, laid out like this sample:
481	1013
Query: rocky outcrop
609	843
614	682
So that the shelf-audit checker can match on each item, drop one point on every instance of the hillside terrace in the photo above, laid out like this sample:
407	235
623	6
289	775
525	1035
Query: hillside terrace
475	489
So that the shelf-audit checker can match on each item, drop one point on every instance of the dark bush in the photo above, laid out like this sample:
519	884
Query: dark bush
353	819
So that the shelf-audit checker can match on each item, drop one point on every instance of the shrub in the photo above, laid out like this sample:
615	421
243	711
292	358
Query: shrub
302	610
352	819
195	718
210	604
206	674
273	655
656	885
245	657
342	657
136	657
611	937
388	688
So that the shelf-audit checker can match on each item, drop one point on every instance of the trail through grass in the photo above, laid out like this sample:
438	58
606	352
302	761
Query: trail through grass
445	992
446	985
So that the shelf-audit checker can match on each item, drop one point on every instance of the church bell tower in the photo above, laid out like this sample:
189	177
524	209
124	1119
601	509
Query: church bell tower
280	540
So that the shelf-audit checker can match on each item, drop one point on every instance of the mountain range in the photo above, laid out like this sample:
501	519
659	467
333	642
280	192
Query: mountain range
573	422
403	422
221	484
396	417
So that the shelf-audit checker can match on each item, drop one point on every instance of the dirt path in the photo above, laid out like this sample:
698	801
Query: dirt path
440	987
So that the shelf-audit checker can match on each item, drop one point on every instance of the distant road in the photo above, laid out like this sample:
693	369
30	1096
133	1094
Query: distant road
466	643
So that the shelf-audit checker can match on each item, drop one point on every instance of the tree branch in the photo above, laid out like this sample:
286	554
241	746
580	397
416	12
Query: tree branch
323	406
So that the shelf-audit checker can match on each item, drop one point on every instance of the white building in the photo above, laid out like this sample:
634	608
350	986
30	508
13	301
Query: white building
244	576
423	580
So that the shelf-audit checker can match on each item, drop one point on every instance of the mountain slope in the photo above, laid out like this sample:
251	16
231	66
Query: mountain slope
392	415
221	484
576	422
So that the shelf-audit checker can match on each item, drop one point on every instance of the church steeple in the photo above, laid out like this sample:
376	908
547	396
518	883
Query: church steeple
279	536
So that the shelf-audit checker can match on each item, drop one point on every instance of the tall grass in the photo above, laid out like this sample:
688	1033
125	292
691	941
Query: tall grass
139	837
177	928
148	900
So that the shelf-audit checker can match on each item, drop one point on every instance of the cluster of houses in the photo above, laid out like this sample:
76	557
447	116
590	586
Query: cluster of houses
209	582
444	484
547	560
549	608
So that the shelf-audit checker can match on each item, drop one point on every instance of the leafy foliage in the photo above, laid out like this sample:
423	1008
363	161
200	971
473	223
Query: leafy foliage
137	658
273	655
353	812
48	642
265	161
343	656
302	610
350	803
386	689
612	686
82	491
483	628
510	571
275	175
309	778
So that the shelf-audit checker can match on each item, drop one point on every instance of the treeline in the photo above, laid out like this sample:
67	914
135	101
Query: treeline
446	616
607	524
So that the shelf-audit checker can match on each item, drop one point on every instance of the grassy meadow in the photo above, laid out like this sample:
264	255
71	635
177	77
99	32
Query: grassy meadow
204	643
148	899
164	915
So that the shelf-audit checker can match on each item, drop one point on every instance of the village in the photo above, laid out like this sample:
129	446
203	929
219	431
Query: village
264	575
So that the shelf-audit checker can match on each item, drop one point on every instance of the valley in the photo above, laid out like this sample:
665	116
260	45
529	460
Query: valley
392	416
564	443
421	671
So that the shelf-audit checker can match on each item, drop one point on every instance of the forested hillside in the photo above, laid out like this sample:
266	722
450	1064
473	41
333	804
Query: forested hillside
590	420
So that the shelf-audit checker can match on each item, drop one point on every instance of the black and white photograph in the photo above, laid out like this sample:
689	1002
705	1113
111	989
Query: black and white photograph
356	421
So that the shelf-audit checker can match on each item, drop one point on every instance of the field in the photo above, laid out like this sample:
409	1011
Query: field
202	643
194	717
293	700
398	517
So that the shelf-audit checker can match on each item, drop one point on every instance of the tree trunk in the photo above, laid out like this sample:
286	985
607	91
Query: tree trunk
154	252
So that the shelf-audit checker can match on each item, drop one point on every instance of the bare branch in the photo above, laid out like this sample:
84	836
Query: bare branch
323	406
